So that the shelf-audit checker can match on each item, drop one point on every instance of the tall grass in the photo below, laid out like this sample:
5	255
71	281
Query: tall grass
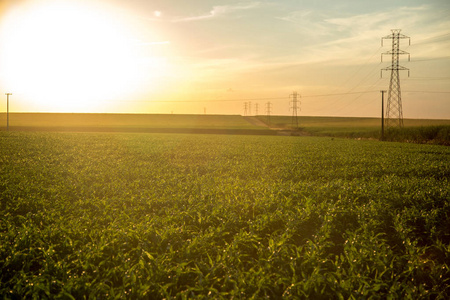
439	135
415	131
426	134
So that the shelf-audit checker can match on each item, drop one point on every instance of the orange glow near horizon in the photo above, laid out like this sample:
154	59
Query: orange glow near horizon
69	57
188	57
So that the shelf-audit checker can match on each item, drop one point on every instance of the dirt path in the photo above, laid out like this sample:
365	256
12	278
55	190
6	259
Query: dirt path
280	131
255	121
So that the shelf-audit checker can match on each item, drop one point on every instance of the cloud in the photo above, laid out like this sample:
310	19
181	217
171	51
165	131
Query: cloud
218	11
296	16
307	22
154	43
351	38
360	24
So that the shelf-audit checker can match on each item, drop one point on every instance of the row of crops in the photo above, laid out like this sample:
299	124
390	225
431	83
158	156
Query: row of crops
155	216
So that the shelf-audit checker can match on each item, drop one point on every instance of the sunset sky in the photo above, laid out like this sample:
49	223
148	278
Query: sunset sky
144	56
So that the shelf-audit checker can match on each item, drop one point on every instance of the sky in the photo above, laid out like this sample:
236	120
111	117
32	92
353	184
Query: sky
215	57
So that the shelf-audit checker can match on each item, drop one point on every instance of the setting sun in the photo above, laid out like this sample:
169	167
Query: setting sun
190	57
67	56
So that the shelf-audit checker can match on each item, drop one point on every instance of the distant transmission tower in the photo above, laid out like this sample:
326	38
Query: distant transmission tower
394	113
245	108
268	111
256	109
294	107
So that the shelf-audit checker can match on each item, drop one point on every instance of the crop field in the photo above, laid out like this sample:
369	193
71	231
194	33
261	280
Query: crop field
348	122
153	216
420	131
416	130
88	120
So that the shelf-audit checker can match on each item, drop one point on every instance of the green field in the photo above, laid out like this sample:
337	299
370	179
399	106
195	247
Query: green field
344	125
415	130
80	121
153	216
348	122
420	131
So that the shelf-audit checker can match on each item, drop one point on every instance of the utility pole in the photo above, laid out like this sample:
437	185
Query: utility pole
295	108
382	115
7	110
394	113
268	111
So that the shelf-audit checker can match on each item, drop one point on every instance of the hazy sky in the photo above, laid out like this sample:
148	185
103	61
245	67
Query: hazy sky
178	56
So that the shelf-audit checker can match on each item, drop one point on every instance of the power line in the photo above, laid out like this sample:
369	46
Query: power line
433	58
338	94
327	105
241	99
361	67
437	38
428	78
353	100
362	105
349	92
206	100
431	92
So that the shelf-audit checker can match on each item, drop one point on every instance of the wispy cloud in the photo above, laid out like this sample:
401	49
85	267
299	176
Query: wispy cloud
352	37
369	22
218	11
154	43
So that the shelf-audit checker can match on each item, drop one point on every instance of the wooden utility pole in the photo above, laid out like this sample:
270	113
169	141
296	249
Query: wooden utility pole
382	115
7	110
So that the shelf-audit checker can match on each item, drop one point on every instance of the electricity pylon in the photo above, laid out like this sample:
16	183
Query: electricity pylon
295	108
394	113
268	111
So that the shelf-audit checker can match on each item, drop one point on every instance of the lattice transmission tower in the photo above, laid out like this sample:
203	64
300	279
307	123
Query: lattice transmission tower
268	111
295	107
394	112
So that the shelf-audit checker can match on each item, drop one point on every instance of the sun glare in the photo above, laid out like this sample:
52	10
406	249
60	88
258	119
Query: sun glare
69	57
